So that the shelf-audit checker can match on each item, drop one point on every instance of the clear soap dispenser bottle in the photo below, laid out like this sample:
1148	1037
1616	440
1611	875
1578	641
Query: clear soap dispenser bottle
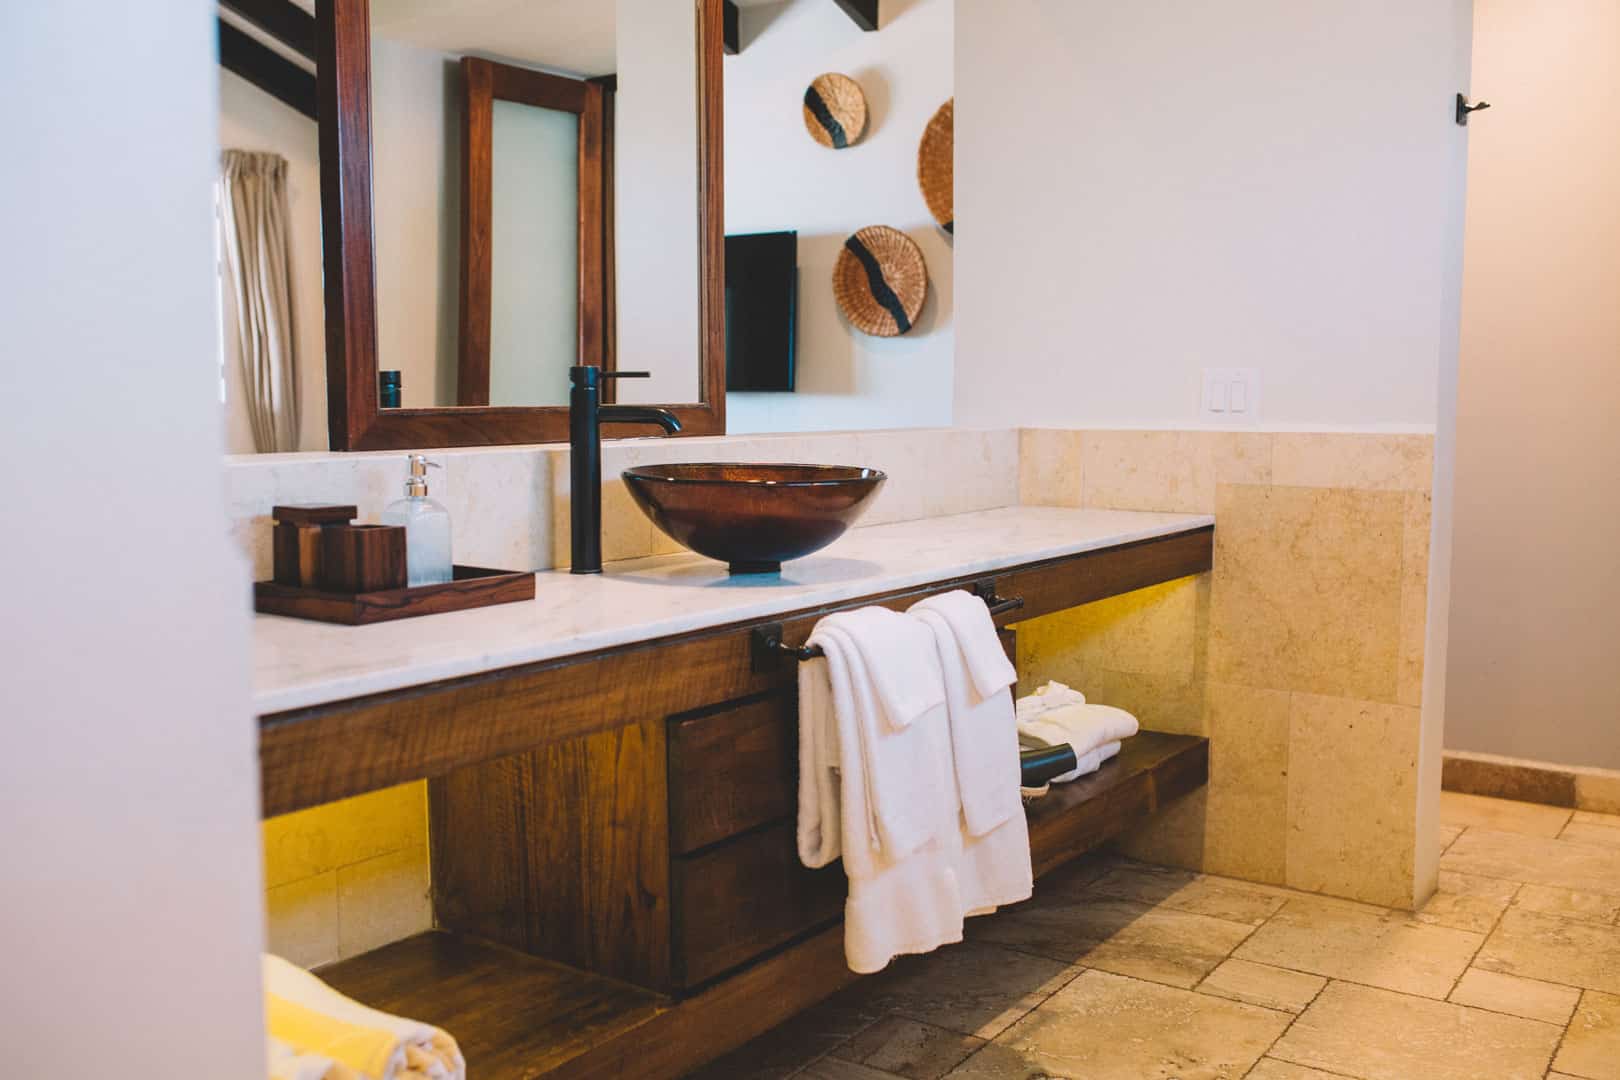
427	527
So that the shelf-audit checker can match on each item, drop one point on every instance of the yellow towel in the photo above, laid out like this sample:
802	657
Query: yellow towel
367	1051
318	1022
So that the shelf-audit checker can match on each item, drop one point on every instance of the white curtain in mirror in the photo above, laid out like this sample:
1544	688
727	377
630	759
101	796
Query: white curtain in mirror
254	220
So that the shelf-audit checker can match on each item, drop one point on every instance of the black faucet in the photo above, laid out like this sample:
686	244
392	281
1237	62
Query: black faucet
586	415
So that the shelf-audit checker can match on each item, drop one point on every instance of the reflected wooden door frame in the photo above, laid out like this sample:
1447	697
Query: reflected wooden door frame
485	82
354	419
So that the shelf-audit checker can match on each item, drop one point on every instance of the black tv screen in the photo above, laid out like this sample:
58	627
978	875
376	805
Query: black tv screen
762	293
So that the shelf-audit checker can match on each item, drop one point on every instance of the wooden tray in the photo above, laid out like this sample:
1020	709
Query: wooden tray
473	587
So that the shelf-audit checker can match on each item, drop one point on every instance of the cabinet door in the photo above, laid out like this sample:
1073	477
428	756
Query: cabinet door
731	771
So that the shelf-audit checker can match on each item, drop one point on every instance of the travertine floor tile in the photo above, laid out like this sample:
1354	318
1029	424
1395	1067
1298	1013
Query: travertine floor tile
1201	894
1548	1002
1591	817
1378	1035
1448	833
1262	984
834	1069
790	1046
1592	1047
972	988
1364	945
1272	1069
909	1049
1556	950
1156	943
1502	815
1569	904
1592	833
1466	902
1565	864
1106	1027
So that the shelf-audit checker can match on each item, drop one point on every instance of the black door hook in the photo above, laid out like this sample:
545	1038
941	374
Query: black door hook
1463	109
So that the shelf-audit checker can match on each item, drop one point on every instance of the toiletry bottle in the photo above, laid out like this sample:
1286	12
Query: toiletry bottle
427	527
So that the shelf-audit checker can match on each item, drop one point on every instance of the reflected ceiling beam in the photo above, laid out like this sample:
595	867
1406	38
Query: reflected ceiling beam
267	69
864	12
281	19
730	21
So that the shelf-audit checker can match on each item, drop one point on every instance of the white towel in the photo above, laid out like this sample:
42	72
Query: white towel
903	897
995	863
1045	698
984	732
423	1048
285	1063
1084	727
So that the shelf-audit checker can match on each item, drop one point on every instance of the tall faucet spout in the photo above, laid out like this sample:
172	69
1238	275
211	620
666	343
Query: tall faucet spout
639	414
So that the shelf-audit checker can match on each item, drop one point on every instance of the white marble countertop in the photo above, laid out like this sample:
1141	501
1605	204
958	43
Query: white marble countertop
298	663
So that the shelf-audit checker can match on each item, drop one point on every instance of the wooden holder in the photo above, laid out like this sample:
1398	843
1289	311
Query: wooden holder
472	587
296	540
362	558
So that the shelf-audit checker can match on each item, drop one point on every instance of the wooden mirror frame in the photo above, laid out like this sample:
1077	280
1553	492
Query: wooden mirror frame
354	419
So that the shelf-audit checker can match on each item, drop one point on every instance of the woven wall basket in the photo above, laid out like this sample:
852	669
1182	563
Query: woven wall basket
880	281
835	111
936	166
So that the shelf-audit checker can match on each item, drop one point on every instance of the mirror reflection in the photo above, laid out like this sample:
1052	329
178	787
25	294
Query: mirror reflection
535	205
534	170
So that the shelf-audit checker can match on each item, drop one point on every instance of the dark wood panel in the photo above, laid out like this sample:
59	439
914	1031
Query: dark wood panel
328	752
267	69
562	852
281	19
514	1016
732	770
722	1018
1151	770
743	898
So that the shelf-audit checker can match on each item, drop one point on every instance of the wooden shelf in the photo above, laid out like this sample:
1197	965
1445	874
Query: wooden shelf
515	1017
1152	769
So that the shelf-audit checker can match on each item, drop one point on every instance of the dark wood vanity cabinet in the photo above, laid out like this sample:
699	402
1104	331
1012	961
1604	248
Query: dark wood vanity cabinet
613	834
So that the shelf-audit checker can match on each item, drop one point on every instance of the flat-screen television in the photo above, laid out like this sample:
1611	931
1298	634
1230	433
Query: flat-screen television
762	306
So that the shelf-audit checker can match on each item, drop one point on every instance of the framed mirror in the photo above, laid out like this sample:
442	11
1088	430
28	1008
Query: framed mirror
510	187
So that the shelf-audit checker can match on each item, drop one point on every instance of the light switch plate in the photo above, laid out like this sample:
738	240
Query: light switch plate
1231	396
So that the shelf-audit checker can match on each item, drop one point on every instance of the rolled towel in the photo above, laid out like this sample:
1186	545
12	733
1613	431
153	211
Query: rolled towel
1047	696
285	1063
315	1020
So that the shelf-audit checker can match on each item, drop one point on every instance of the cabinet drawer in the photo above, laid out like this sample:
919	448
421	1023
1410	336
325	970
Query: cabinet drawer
732	770
743	898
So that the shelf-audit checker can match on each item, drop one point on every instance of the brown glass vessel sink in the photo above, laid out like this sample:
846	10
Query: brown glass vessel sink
754	517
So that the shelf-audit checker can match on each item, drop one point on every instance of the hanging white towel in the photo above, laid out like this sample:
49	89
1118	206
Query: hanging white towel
984	733
880	795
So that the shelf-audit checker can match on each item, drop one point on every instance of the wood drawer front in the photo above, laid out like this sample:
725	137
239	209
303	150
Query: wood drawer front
742	899
731	771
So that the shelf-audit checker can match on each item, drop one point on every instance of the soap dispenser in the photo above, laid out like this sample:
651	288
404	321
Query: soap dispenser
427	527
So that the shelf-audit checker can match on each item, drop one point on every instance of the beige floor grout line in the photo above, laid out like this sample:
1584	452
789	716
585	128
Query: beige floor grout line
1563	1035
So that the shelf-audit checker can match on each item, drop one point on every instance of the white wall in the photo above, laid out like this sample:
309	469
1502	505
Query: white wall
128	787
1147	189
778	178
250	119
1536	603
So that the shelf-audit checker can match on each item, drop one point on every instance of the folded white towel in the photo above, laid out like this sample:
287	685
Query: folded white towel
1084	727
882	798
984	732
1045	698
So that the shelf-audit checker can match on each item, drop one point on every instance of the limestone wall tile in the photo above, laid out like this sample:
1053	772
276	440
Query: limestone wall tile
1414	598
1352	798
1306	590
302	921
1050	467
382	900
1344	460
1170	471
1247	827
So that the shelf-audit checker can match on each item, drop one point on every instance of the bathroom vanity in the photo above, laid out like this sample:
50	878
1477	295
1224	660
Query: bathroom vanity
611	774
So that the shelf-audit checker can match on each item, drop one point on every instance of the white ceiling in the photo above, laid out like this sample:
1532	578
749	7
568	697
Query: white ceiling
564	35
